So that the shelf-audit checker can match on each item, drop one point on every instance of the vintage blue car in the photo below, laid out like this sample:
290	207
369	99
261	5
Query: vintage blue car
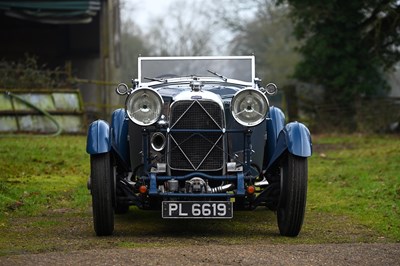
197	139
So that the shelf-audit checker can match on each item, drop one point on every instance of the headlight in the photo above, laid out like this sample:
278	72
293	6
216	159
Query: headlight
144	106
249	107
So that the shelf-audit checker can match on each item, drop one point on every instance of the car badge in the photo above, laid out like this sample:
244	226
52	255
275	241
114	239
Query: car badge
196	97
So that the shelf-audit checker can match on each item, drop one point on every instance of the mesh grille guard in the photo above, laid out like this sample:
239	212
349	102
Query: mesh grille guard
196	149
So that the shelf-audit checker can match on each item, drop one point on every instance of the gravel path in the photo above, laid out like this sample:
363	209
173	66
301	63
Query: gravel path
326	254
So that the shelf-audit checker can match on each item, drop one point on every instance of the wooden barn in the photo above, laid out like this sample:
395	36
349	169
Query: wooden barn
82	34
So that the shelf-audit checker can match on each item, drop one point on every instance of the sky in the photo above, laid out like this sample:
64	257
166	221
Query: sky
141	11
144	12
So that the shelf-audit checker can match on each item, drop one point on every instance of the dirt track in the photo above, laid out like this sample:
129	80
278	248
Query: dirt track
149	240
326	254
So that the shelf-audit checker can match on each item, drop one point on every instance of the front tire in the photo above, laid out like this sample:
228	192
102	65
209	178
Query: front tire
292	201
102	193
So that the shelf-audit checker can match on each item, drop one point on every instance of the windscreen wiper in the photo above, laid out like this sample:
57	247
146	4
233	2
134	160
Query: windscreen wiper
218	75
156	79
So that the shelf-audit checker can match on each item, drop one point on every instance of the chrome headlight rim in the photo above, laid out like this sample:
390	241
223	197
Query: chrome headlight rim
135	96
258	98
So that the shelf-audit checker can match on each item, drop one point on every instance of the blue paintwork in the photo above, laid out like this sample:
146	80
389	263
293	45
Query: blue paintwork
153	184
240	184
275	124
119	134
98	139
277	121
198	174
298	139
294	137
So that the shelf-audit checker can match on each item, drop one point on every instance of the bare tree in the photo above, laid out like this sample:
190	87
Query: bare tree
186	30
262	28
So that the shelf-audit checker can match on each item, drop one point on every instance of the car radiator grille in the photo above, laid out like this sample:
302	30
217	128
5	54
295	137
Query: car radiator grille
196	151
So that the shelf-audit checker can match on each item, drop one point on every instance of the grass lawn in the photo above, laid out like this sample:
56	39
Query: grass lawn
358	176
353	196
42	173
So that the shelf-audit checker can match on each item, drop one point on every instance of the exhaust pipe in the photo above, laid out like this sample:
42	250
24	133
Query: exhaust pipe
223	188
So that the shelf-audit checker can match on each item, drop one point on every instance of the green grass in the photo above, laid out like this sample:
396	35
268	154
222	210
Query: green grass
42	173
358	177
353	196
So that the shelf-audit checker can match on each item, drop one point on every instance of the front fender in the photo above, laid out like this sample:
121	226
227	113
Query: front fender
294	137
298	139
119	133
98	138
275	124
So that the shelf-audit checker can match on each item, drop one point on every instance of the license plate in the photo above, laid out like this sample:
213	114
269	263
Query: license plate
197	209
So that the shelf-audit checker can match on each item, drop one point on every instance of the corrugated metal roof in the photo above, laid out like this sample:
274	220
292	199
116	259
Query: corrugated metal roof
52	12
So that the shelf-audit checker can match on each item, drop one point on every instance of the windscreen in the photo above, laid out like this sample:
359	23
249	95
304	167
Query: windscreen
234	67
